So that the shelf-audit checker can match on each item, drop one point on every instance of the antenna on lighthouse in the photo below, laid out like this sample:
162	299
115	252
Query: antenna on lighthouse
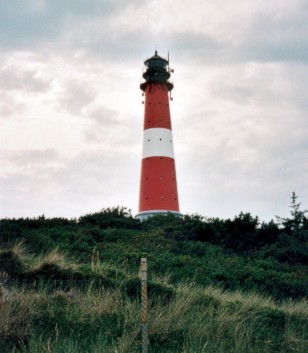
169	70
168	66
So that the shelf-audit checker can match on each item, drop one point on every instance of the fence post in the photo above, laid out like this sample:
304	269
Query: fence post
144	305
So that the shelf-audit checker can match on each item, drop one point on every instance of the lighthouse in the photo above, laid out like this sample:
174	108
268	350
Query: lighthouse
158	183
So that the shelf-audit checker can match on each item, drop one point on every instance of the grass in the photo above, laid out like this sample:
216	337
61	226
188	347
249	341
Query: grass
52	312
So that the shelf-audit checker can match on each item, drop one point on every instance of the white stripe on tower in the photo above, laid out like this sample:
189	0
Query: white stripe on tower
157	142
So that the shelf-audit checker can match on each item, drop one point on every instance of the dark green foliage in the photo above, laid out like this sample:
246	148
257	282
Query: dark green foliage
61	278
268	233
132	288
11	342
236	253
113	235
117	217
167	339
10	262
297	220
289	249
56	275
241	233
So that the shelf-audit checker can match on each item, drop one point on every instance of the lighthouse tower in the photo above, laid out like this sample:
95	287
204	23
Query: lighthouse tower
158	185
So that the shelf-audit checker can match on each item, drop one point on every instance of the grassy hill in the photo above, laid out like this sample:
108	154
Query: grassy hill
214	285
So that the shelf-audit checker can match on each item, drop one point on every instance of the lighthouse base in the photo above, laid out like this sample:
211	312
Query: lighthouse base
143	216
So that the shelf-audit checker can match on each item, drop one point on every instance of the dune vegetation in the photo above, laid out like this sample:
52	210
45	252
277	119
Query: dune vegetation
214	285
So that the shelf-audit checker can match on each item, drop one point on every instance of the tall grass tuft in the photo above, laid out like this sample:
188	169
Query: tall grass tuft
95	317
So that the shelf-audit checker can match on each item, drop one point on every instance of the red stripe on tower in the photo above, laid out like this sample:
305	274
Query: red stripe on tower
158	185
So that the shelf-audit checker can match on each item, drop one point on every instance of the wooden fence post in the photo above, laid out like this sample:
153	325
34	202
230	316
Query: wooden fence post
144	305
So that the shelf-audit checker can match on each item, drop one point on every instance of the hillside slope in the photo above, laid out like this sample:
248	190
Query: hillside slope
214	285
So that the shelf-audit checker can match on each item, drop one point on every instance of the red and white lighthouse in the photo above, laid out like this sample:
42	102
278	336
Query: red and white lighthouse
158	184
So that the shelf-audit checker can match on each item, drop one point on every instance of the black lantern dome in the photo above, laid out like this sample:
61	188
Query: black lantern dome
157	71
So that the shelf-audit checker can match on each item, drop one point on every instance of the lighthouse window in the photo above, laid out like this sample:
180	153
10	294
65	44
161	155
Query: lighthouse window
149	140
160	139
162	197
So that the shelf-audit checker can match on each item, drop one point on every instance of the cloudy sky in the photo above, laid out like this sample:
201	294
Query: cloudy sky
71	110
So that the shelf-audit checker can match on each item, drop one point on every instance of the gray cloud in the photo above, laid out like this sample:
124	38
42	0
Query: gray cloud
267	34
279	37
251	142
111	128
87	181
9	106
239	115
21	79
76	96
26	24
28	158
101	27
